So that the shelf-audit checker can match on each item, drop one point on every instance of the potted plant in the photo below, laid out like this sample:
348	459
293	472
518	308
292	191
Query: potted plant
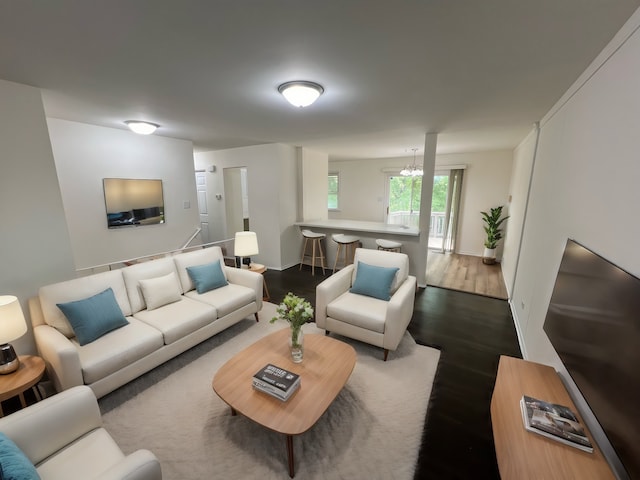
297	311
492	228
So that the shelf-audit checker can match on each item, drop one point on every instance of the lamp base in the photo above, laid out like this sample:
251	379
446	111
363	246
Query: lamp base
9	361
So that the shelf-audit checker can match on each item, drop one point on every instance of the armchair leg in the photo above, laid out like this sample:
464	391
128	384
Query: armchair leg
386	354
327	332
256	315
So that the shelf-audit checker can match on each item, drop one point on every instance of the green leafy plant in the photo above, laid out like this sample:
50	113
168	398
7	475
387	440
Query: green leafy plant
492	226
295	310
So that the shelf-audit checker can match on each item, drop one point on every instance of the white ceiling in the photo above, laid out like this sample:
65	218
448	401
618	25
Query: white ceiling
479	73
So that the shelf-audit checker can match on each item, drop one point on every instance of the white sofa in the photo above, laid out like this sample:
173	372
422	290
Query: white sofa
362	317
63	437
152	336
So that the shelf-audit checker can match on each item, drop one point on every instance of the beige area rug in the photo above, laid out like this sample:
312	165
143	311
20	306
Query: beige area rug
372	430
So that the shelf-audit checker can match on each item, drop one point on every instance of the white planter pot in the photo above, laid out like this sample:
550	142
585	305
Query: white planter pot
489	256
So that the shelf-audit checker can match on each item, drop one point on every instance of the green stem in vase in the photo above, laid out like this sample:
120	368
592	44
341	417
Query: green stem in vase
295	334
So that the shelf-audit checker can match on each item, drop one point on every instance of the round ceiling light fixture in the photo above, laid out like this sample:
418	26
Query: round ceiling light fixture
301	93
140	127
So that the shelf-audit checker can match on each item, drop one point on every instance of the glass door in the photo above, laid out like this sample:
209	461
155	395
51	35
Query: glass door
439	207
403	200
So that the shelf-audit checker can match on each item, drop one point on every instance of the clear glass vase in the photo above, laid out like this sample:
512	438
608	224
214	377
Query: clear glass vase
296	344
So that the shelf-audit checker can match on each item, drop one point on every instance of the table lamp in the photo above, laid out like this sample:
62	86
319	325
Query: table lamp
246	244
12	327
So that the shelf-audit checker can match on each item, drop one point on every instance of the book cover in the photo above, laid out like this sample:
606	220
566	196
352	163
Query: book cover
554	421
273	391
277	377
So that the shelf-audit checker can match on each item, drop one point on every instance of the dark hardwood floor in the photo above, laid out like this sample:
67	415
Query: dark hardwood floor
472	332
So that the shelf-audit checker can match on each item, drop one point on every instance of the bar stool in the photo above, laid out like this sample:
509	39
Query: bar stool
347	244
316	243
388	245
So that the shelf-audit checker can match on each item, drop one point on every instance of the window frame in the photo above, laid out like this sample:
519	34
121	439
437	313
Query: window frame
336	193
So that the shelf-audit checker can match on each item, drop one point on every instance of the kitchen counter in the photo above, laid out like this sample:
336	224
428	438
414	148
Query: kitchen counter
361	226
368	232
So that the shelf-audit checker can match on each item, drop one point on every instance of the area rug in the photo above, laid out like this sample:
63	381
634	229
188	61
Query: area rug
372	430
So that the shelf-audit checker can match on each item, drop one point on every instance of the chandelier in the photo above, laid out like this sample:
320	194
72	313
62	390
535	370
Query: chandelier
412	170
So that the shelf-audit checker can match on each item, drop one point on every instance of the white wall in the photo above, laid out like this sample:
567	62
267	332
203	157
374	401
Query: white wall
362	187
519	193
85	154
313	187
272	176
35	244
585	184
485	185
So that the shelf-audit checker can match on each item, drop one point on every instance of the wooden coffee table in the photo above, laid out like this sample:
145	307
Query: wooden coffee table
326	367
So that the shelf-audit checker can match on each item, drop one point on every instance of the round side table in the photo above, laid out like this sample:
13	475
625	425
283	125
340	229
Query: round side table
259	268
27	376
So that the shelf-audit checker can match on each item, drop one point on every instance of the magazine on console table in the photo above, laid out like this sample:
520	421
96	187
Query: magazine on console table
554	421
276	381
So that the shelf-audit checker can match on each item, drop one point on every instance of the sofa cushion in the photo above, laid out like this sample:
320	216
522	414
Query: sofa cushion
160	291
374	281
226	299
14	463
176	320
380	258
93	317
207	277
77	289
145	271
191	259
89	457
118	349
359	310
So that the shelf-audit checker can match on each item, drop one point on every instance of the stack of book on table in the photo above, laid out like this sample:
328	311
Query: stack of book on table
276	381
554	421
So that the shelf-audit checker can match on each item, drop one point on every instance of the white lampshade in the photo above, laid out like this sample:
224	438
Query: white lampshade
12	323
140	127
301	93
246	244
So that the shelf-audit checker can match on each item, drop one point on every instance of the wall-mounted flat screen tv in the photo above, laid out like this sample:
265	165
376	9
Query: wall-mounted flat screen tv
593	322
133	202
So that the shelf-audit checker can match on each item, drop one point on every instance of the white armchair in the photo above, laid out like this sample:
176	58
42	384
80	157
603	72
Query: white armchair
363	317
64	438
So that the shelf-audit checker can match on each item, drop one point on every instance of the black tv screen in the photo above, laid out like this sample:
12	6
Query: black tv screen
133	202
593	322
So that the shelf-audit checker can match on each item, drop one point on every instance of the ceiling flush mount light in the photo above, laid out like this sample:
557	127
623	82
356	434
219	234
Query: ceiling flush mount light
143	128
301	93
412	170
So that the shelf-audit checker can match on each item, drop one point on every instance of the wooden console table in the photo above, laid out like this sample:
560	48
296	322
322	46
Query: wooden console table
525	455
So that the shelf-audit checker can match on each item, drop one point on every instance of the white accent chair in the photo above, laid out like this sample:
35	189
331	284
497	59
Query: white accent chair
371	320
64	438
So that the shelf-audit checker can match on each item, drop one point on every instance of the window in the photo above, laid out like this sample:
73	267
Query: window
332	202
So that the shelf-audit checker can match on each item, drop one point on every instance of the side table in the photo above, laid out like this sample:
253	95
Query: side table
27	376
259	268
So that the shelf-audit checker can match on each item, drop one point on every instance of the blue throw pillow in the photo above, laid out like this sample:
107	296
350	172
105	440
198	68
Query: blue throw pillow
15	464
93	317
207	277
374	281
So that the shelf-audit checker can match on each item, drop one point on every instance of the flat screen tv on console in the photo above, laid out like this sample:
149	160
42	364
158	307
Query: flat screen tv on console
593	322
133	202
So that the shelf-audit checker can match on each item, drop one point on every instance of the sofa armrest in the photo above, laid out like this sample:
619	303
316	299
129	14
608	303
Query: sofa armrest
330	289
399	313
50	425
247	279
140	465
60	356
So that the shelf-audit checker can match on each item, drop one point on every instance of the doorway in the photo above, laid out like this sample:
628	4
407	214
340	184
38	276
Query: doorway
237	200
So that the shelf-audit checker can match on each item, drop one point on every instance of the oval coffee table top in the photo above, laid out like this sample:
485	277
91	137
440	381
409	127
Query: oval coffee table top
326	367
